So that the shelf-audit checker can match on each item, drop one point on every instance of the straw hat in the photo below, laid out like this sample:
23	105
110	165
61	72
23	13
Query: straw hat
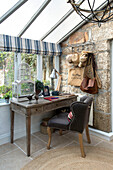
83	58
72	59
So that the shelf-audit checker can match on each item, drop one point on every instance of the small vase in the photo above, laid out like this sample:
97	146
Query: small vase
7	100
36	98
29	98
38	91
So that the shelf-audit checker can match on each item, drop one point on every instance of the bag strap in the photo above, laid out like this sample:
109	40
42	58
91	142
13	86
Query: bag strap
91	60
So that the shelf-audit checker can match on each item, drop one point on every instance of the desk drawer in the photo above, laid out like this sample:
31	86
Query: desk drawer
49	107
18	109
57	105
37	110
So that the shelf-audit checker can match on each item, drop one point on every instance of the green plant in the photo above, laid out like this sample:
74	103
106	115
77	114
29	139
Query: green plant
4	89
7	95
39	85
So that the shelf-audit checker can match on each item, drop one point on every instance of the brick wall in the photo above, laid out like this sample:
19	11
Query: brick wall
92	38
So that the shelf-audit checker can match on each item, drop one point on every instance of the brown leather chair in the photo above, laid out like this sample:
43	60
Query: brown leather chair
79	122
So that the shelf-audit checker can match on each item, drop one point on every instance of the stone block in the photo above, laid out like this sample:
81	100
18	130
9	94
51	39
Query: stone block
89	47
102	121
77	37
101	45
104	76
103	102
86	36
64	83
103	60
67	50
65	43
104	32
75	89
66	89
64	76
87	26
76	49
79	48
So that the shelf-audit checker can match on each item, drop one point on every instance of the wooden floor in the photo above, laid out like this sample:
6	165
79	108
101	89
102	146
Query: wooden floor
13	156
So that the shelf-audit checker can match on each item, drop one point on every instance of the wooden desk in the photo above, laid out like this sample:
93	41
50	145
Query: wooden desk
31	109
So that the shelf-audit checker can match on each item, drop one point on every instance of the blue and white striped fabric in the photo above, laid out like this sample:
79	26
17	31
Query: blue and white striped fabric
22	45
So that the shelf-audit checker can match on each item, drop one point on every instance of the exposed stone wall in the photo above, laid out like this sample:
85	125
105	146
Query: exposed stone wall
92	38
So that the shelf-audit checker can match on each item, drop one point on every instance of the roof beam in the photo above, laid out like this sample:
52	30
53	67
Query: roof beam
58	23
12	10
42	7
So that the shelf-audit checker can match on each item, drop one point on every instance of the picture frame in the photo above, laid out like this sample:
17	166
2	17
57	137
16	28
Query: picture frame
46	91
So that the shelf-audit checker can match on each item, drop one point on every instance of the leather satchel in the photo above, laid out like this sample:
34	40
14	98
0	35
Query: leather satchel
89	85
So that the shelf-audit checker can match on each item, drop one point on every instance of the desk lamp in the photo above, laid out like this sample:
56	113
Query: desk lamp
54	76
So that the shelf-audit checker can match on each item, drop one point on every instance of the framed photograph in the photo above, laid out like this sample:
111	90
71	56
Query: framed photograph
46	91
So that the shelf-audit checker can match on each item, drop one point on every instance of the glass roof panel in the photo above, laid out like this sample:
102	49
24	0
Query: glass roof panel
64	28
54	11
15	23
5	5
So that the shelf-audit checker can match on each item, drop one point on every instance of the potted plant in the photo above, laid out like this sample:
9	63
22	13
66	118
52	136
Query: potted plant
7	96
38	86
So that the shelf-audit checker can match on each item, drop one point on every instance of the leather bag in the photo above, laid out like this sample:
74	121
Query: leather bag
89	85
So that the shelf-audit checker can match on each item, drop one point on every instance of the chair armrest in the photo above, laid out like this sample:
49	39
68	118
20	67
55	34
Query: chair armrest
86	99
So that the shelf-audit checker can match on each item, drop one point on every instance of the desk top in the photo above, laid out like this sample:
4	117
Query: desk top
42	101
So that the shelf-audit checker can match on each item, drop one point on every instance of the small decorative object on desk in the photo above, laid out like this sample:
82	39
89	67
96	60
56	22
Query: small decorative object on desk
36	98
30	98
46	91
23	86
51	98
55	93
38	87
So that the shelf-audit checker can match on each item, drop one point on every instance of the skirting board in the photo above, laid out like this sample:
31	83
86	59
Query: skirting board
18	134
101	134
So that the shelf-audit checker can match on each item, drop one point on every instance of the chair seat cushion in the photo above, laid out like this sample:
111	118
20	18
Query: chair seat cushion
59	121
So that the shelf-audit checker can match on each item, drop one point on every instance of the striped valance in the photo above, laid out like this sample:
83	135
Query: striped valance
22	45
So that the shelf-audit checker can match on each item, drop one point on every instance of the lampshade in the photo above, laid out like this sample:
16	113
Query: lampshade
53	74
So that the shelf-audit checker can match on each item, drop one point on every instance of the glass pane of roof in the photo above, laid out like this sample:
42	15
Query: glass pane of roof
53	12
72	21
15	22
5	5
64	28
47	19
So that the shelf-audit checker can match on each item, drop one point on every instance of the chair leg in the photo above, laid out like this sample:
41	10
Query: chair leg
87	134
60	132
49	140
81	145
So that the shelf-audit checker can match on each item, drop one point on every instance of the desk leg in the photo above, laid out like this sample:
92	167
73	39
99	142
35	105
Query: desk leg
28	134
12	125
